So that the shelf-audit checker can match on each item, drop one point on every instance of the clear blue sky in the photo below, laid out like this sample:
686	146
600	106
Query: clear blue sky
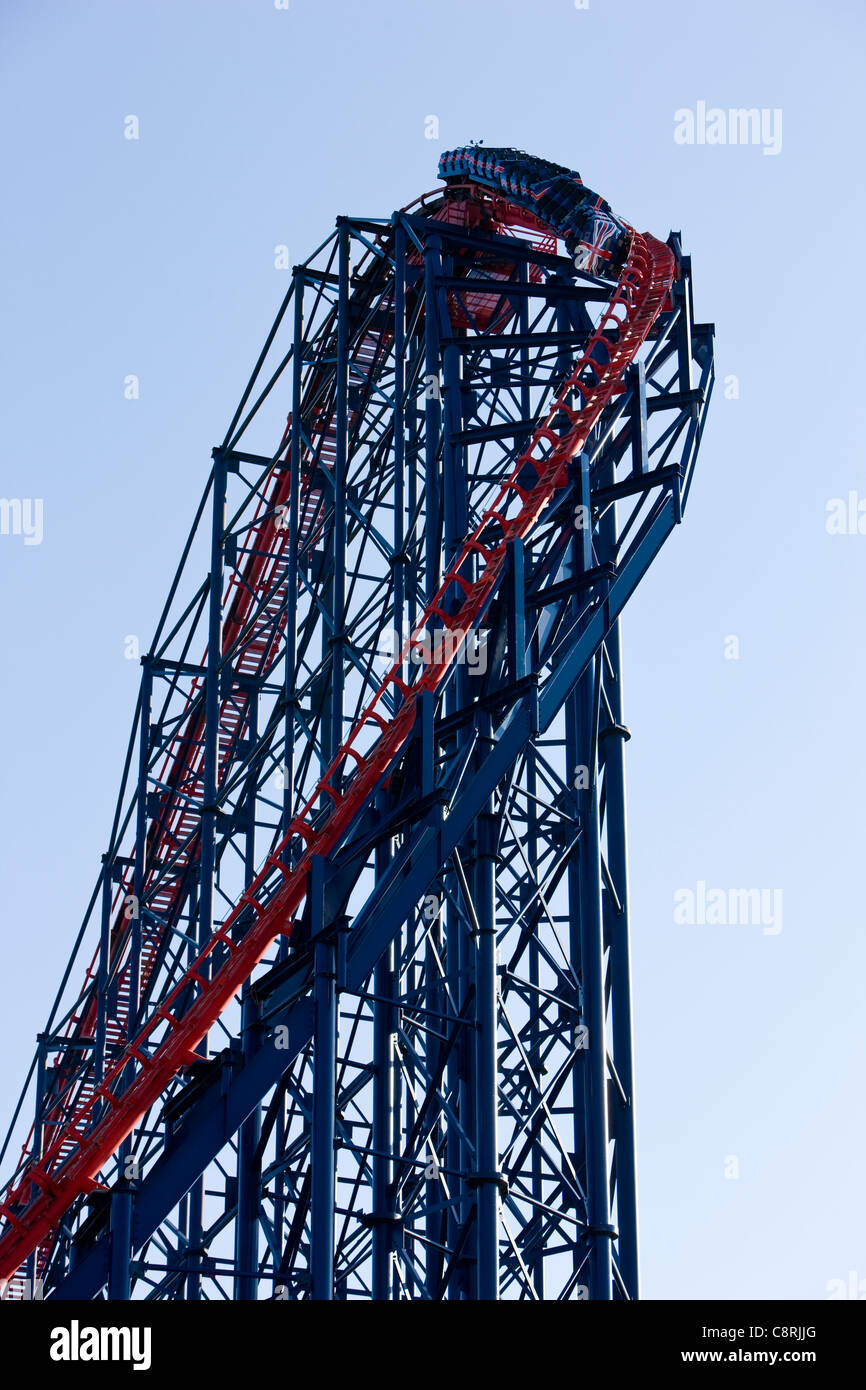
155	257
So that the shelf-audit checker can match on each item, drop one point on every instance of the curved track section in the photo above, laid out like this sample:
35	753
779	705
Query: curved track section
597	239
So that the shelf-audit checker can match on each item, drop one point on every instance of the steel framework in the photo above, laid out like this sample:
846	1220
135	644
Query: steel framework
355	1020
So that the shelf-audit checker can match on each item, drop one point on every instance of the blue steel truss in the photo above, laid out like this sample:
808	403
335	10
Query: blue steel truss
425	1089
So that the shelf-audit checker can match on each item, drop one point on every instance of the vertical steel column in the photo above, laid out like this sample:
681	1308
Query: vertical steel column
290	695
322	1155
140	841
289	691
122	1195
594	1055
102	969
249	1176
249	1171
207	862
432	570
612	742
536	1264
487	1176
459	952
636	377
121	1234
432	417
338	592
436	1213
681	295
398	430
411	452
582	711
212	707
386	1074
384	1094
31	1272
42	1040
577	754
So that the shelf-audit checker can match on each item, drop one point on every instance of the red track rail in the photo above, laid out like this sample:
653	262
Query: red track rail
101	1121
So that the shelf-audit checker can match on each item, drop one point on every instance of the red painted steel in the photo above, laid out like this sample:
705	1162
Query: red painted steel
86	1140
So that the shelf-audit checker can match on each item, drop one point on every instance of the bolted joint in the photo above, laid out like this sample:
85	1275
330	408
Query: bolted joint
593	1232
475	1180
615	731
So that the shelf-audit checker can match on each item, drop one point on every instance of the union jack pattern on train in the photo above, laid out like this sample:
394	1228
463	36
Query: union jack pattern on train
595	238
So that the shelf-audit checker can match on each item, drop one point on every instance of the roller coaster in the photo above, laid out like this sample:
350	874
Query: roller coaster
348	1015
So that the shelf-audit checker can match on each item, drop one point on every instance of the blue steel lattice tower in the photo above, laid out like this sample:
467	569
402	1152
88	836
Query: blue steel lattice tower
355	1019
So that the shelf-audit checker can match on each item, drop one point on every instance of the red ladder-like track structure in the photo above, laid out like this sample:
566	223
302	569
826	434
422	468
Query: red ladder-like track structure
134	1055
70	1164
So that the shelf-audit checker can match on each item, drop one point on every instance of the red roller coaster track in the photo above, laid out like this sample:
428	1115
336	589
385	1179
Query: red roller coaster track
104	1115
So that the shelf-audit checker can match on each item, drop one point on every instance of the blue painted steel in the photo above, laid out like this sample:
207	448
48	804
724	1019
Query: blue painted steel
412	1098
